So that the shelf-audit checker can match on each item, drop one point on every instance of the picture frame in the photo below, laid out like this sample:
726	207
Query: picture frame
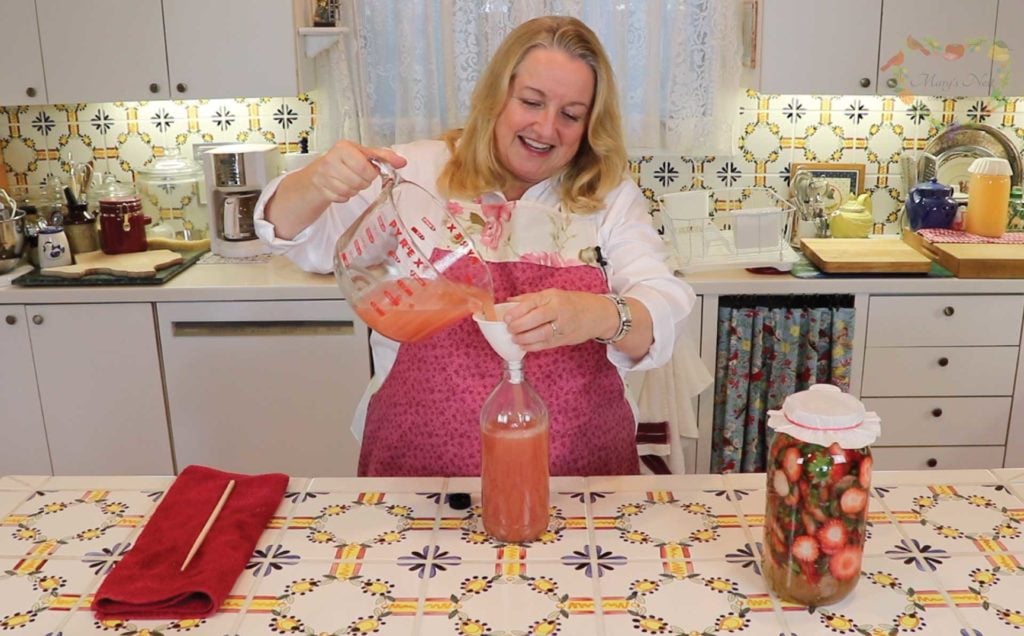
848	177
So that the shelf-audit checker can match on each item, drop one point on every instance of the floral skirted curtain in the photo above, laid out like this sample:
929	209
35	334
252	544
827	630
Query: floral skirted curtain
767	349
412	66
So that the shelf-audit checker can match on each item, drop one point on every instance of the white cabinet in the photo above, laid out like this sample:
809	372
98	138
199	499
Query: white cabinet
22	63
231	48
137	50
23	450
97	373
941	372
103	50
934	38
825	47
924	47
264	386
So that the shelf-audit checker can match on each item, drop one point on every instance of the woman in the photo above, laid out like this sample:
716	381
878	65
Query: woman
538	176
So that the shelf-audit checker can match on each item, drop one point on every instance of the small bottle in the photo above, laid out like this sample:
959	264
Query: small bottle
514	459
819	480
1016	222
988	197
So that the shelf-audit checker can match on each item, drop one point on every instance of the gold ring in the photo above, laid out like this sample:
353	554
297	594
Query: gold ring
554	329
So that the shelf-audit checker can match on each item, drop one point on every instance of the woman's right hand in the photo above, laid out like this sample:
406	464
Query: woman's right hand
345	170
335	177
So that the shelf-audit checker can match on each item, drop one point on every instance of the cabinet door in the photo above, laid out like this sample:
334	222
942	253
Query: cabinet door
99	381
103	50
21	74
264	386
929	40
1010	34
825	47
23	450
231	48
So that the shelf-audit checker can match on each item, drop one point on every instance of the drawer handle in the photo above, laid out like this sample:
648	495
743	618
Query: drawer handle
865	82
37	319
932	462
11	319
267	328
943	361
936	412
948	311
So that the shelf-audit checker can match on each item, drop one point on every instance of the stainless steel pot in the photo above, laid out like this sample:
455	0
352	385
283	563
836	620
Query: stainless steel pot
12	241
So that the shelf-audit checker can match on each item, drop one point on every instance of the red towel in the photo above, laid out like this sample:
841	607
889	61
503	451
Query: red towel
147	583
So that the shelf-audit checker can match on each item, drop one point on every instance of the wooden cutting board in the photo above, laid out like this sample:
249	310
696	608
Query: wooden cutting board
133	265
980	260
865	256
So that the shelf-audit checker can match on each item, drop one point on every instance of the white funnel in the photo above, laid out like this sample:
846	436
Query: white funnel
496	333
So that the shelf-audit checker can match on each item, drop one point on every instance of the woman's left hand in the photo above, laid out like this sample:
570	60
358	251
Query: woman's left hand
554	318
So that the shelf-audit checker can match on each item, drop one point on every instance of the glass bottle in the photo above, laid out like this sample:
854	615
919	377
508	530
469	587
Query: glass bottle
819	479
988	197
514	459
1016	222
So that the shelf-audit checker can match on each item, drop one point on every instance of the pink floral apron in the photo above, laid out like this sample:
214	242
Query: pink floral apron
425	418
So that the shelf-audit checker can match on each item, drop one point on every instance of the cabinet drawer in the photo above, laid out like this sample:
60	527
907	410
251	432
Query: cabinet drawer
942	421
943	321
921	371
937	457
264	386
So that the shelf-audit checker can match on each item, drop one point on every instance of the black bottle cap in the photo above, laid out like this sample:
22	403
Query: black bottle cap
459	500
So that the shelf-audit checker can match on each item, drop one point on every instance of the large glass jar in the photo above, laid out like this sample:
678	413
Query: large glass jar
819	476
170	196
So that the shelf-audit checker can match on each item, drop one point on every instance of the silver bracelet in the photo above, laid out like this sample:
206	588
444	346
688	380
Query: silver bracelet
625	320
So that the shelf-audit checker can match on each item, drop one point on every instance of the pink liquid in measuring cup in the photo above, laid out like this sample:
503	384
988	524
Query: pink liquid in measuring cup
434	306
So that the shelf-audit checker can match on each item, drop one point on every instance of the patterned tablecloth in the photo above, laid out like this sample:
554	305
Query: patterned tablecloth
623	556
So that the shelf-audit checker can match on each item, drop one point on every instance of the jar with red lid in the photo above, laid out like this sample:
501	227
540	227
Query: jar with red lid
819	479
122	225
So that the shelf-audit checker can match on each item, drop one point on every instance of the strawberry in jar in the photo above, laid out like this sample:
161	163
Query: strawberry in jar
819	476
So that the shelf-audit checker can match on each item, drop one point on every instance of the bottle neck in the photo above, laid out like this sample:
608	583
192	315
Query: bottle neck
514	371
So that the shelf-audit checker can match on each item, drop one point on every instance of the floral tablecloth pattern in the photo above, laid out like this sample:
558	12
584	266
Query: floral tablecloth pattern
622	556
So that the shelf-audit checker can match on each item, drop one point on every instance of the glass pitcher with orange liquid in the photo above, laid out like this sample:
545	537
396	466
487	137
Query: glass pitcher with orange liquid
407	267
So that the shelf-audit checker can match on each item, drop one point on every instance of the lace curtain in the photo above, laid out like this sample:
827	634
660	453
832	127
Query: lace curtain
411	66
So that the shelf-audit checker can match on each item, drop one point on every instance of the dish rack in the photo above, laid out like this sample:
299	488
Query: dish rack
737	227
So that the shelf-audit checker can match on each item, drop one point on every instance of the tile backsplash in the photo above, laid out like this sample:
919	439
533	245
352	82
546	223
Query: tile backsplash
771	132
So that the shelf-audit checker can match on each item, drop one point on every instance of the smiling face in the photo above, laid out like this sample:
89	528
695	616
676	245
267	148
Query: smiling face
544	118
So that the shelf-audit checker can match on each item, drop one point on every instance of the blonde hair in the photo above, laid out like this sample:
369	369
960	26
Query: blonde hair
600	163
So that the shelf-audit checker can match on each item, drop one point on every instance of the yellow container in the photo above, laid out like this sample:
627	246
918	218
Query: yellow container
988	197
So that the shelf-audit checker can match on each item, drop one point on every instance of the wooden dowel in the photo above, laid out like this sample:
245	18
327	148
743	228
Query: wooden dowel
209	524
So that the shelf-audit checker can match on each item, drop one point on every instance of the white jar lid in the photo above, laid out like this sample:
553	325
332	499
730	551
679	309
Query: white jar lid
990	165
824	415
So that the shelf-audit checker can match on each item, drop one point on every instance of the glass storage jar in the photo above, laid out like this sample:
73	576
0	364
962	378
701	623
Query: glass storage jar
819	476
170	196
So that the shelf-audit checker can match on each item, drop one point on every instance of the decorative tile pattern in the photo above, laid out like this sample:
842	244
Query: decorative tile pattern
772	132
619	555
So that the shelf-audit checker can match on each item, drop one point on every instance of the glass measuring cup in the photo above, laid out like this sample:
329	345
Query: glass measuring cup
407	267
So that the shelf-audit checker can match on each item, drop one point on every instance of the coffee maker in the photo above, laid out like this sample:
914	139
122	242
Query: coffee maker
235	176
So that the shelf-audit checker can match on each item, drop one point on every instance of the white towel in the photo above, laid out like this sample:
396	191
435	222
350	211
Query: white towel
666	394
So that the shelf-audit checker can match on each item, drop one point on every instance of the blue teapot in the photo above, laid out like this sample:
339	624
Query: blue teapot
930	205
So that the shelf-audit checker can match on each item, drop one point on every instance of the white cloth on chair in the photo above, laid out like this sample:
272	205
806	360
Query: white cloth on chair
666	394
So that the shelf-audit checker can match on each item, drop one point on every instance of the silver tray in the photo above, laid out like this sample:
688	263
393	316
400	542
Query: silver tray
957	147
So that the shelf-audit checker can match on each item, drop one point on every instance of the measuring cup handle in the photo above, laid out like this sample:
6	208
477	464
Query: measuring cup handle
388	174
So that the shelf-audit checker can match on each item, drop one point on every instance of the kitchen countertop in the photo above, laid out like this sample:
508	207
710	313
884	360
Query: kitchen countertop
624	555
279	279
